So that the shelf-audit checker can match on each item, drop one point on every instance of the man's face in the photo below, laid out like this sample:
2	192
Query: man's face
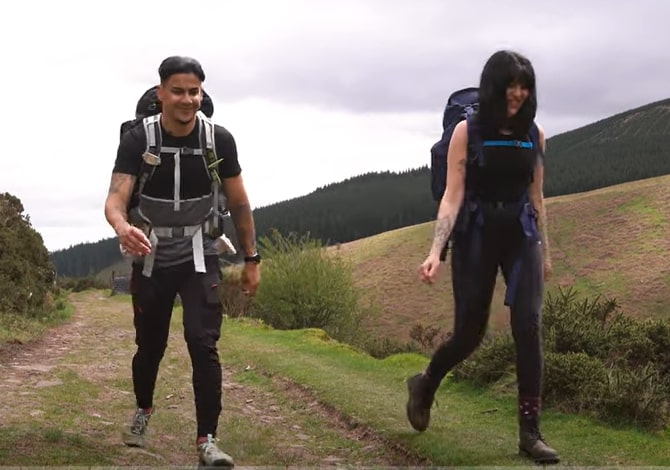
180	97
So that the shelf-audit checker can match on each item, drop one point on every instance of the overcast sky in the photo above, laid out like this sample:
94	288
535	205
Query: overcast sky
313	91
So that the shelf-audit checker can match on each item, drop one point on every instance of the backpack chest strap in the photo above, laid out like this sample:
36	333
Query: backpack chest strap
185	151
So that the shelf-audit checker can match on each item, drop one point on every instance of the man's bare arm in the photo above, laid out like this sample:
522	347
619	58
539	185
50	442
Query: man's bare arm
453	196
120	190
240	213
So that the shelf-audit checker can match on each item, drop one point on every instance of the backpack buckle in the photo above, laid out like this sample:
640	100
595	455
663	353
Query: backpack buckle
151	159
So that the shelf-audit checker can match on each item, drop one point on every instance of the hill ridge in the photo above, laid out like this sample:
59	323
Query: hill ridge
628	146
610	241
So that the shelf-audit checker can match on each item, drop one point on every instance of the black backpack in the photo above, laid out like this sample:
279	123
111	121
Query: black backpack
148	106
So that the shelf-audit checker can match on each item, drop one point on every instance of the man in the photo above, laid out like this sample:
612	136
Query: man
170	236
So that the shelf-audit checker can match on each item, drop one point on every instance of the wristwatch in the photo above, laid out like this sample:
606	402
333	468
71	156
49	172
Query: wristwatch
255	258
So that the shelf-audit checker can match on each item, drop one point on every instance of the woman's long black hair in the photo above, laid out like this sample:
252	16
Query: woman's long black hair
501	70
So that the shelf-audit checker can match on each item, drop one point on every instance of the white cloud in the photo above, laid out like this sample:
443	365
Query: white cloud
313	91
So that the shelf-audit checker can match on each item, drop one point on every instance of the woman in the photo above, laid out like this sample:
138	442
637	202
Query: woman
494	207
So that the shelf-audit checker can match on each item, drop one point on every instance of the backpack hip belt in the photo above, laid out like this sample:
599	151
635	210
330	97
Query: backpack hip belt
197	243
472	218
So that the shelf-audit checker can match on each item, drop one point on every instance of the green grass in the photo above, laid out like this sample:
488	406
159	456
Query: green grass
26	447
78	417
16	328
270	414
612	241
464	431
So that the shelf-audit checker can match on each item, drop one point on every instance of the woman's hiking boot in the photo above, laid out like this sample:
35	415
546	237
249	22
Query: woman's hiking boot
533	445
421	395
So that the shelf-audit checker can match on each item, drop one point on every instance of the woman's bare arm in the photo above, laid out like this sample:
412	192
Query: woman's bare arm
454	193
536	196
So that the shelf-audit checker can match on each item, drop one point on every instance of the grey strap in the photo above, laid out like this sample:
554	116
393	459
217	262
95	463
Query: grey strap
193	231
152	131
150	258
210	144
176	232
198	252
177	180
178	149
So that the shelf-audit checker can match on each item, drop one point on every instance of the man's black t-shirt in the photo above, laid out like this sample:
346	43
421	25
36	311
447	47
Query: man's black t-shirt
195	180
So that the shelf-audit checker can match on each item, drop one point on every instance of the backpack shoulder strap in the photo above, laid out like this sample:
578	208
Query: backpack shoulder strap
208	145
151	157
153	134
474	139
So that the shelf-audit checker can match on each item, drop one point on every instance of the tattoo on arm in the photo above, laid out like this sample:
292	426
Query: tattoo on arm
446	217
443	227
120	190
120	183
243	220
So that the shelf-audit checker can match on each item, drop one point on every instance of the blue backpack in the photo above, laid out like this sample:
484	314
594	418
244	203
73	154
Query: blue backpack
460	105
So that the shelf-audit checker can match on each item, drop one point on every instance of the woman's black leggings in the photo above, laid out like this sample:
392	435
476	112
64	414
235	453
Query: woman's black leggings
475	259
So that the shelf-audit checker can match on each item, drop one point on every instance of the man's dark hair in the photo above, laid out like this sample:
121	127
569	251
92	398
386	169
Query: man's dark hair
501	70
180	64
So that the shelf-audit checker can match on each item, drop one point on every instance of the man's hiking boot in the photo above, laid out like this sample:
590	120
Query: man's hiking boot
533	445
421	396
211	456
135	433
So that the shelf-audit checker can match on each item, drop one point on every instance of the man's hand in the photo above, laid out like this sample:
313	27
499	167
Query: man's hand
251	276
133	240
428	270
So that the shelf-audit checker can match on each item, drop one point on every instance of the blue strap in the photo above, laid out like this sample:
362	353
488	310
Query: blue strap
529	231
507	143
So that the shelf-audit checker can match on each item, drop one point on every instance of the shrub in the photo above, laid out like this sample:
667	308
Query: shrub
304	286
574	381
381	347
490	362
80	284
26	273
597	361
427	338
637	396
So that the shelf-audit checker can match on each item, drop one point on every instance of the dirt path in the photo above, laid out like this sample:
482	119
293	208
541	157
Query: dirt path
75	382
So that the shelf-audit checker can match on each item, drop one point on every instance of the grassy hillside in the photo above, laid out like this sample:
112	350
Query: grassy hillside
628	146
291	398
612	241
625	147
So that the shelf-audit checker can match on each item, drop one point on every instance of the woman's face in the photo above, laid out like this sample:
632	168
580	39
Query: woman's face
516	96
